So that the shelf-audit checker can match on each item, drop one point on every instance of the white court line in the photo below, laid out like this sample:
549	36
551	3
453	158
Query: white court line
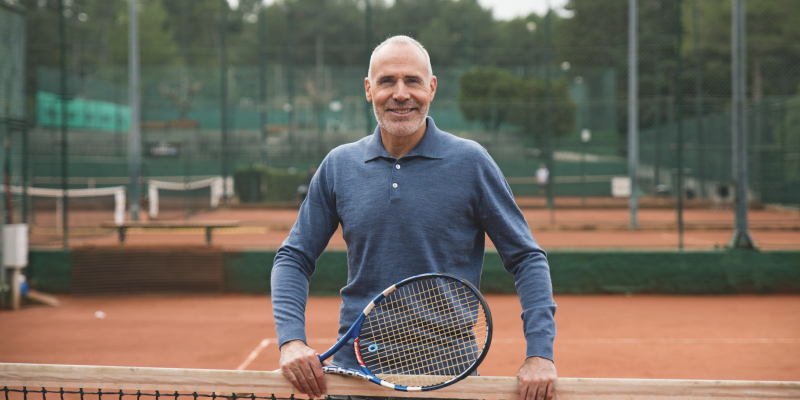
266	342
253	354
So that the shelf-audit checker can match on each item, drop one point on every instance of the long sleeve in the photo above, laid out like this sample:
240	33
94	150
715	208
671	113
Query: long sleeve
296	259
522	257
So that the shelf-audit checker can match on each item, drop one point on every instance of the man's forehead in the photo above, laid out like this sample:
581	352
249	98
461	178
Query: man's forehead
401	53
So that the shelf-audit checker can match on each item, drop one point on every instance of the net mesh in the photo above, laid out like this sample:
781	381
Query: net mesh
426	332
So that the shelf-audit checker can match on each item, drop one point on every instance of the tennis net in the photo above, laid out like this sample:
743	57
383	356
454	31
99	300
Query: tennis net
56	382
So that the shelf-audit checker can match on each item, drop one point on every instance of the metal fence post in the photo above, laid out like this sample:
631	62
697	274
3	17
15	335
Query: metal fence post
633	112
741	238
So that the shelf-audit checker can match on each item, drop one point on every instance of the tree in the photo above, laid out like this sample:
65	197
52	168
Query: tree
530	110
492	96
488	95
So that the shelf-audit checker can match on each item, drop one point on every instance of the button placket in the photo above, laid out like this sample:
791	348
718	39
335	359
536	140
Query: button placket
395	182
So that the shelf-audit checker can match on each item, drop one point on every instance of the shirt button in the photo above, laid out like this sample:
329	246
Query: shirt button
397	166
394	185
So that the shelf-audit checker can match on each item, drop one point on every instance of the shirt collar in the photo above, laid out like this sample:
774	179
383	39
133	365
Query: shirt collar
429	146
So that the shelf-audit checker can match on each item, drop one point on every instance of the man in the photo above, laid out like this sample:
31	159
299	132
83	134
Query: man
410	199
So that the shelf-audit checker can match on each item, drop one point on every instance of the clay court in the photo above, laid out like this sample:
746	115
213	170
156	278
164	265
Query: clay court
571	227
687	337
641	336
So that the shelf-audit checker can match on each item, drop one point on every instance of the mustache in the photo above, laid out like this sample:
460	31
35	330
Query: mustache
410	103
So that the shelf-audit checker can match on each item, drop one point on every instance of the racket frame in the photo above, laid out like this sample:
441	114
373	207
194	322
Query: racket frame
355	330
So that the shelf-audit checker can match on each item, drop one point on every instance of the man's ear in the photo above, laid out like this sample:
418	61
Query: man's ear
433	87
367	87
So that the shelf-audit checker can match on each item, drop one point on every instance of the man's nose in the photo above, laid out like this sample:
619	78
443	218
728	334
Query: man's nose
401	92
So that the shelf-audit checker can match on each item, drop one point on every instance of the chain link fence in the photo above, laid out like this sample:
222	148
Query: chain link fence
536	92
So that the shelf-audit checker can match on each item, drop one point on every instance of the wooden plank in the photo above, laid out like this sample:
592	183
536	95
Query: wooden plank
262	382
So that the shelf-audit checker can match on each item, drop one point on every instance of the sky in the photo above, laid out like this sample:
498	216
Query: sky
510	9
501	9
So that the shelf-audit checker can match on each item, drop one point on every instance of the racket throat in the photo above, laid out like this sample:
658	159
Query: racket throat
358	354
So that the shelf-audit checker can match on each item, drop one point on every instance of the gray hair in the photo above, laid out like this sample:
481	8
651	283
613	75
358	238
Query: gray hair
400	39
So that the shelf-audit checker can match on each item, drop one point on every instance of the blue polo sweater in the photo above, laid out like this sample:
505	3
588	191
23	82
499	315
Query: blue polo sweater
429	211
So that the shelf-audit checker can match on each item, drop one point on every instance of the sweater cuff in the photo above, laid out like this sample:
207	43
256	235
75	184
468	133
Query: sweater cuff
540	346
284	337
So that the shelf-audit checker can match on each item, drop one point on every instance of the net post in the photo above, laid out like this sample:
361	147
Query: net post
44	393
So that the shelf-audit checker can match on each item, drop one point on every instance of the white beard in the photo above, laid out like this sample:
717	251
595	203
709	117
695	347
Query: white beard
400	128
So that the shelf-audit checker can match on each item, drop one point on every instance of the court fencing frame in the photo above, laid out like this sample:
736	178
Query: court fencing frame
13	121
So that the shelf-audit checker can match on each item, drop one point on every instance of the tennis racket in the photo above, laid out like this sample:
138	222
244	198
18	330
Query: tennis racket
423	333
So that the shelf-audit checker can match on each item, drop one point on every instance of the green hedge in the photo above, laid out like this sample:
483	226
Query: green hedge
678	273
675	273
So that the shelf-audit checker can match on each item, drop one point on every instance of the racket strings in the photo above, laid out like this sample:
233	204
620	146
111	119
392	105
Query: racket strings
457	332
446	362
461	352
434	327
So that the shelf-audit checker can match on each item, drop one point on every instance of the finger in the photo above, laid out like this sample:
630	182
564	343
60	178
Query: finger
551	390
293	379
319	376
541	390
522	393
533	391
302	383
311	379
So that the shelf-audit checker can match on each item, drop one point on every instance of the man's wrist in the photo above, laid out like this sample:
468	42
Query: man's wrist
534	359
293	343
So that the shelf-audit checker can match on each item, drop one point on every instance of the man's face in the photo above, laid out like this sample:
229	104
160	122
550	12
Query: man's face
400	89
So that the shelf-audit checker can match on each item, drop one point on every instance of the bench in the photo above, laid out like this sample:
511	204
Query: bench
207	225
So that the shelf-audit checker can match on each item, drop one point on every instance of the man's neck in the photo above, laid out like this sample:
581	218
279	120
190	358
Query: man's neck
399	146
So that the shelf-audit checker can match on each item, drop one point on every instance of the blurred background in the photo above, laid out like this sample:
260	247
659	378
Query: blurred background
241	100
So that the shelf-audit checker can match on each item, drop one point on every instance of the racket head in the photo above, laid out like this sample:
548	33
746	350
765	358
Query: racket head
425	332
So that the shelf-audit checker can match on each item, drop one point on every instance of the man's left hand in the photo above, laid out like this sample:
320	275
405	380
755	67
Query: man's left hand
537	379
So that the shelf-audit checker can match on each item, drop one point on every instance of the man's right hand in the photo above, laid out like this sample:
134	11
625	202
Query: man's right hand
300	365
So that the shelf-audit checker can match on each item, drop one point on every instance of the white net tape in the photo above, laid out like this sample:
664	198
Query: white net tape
117	191
217	185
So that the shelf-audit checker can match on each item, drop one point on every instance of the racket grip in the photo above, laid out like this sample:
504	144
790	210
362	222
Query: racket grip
345	371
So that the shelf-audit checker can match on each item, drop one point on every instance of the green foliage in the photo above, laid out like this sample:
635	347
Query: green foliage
485	95
493	96
153	36
531	112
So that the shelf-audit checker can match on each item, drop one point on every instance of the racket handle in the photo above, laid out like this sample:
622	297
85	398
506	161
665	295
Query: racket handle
345	371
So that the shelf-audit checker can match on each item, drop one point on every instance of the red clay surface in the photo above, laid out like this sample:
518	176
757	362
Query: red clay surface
564	229
724	337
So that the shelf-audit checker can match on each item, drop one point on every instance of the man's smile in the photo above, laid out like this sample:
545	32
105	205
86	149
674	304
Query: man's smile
402	112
